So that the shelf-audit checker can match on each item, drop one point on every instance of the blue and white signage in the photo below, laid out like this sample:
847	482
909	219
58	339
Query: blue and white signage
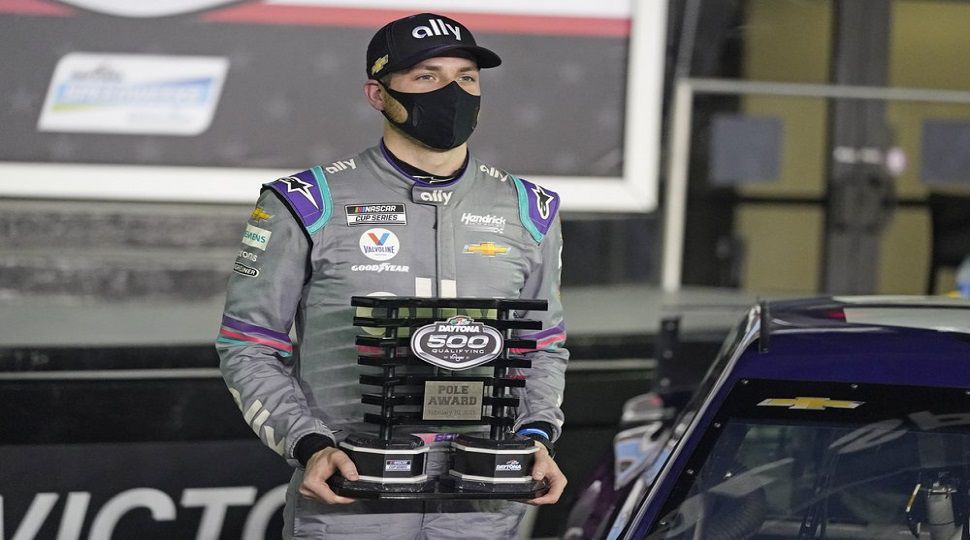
133	94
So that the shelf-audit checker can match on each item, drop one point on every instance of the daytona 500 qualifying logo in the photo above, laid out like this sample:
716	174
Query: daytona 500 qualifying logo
456	344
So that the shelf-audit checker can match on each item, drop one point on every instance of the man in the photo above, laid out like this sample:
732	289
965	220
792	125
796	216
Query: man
416	215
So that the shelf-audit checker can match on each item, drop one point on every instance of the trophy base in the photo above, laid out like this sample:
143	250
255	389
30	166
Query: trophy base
395	462
446	488
360	489
487	490
480	469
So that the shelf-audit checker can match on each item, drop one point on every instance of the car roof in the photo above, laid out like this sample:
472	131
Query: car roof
872	339
930	312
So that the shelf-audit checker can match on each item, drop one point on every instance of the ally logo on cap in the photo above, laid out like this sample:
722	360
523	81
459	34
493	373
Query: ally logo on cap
436	27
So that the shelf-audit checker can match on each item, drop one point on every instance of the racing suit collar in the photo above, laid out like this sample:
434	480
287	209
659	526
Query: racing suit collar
418	175
444	195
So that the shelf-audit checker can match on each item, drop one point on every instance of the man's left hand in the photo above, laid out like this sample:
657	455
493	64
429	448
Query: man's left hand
546	467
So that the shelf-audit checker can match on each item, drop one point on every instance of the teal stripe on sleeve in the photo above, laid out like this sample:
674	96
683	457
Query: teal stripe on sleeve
524	210
247	343
325	196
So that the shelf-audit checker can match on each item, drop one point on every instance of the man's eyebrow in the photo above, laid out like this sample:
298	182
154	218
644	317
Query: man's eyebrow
424	67
438	67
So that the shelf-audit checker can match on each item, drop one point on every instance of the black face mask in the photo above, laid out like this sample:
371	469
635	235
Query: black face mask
442	119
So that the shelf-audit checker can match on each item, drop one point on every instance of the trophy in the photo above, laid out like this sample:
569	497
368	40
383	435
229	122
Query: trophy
422	347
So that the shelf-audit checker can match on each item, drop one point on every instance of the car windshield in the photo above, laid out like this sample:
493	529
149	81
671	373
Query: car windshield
796	460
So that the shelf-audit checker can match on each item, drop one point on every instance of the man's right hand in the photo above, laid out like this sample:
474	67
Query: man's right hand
322	466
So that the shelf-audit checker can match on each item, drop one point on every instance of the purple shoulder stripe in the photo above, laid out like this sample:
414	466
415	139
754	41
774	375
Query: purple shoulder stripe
538	336
247	328
303	195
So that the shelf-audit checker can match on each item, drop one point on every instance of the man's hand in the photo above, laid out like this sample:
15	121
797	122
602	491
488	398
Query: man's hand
545	467
322	466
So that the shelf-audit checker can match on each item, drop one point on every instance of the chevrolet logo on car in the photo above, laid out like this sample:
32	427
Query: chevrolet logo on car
810	403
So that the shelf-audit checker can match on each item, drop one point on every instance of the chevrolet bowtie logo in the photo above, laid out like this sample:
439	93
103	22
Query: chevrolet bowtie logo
488	249
379	64
810	403
259	214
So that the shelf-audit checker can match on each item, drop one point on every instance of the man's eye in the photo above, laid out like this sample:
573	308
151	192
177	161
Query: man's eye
424	77
467	78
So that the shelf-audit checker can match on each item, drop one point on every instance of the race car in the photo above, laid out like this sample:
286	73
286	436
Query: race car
839	418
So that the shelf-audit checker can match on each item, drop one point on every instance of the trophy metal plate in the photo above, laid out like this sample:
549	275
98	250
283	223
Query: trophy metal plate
427	347
453	400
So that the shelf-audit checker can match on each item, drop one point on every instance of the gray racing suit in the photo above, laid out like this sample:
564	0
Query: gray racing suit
362	226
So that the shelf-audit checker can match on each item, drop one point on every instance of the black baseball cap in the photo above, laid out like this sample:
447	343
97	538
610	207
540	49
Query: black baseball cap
402	43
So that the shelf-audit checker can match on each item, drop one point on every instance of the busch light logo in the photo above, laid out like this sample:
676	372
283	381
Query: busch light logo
456	344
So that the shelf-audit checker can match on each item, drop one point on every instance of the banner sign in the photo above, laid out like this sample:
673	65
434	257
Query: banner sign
204	100
129	93
164	490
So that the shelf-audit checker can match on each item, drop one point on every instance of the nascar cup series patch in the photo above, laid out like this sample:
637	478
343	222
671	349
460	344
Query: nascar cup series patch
376	214
456	344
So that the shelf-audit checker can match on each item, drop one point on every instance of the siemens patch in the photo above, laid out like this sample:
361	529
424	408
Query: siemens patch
256	237
376	214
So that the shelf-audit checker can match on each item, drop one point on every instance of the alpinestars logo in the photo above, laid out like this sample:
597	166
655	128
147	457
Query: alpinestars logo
436	27
486	223
295	185
542	201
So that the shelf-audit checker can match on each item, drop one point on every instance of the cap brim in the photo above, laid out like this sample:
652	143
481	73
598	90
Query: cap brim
482	56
